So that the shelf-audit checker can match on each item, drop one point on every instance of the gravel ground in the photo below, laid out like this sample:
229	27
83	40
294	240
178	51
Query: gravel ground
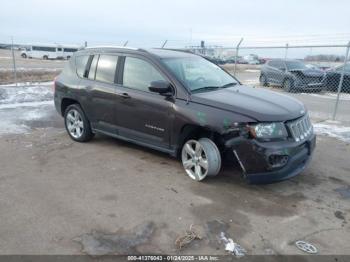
108	196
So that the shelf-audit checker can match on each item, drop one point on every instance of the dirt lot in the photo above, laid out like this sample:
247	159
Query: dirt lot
28	70
107	196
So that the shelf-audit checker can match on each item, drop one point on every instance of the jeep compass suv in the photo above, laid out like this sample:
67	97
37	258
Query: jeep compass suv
184	105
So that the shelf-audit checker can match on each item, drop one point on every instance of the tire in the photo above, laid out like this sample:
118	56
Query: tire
45	57
23	55
68	57
201	158
288	85
263	80
77	125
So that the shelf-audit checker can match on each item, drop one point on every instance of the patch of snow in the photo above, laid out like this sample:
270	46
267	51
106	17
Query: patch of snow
25	93
231	246
333	129
22	104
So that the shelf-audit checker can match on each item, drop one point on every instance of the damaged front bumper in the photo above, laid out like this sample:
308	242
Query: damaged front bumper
267	162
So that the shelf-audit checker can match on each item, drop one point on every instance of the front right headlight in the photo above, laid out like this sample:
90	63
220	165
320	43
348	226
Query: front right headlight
275	130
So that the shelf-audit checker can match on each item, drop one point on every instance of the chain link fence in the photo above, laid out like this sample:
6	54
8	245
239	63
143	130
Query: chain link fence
318	75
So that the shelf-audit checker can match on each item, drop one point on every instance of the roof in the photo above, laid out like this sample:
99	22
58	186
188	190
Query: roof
169	53
158	52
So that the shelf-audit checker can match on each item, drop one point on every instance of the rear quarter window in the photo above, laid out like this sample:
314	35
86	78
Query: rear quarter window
81	62
106	68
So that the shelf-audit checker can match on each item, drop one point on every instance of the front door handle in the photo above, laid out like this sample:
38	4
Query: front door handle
124	95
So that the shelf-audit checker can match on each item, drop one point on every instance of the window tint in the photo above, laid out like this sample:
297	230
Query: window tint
59	49
340	68
44	48
80	63
139	74
106	67
276	64
92	70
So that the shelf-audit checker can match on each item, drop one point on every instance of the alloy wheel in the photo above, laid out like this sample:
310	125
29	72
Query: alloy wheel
194	160
75	124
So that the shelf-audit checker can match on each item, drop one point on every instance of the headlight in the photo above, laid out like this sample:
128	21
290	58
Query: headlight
269	130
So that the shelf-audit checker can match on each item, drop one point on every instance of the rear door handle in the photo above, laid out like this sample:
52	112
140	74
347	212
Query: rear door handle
124	95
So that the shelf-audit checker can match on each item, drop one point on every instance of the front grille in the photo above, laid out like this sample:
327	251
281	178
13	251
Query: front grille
311	80
300	128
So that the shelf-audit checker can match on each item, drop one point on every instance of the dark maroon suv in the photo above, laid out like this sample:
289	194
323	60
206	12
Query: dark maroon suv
184	105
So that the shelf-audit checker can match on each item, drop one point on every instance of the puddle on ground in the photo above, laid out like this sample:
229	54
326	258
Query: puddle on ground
121	242
344	192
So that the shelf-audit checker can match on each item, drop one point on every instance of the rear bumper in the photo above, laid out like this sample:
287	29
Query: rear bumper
255	159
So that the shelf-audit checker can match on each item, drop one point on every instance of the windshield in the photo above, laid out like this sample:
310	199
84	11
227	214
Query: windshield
196	73
292	65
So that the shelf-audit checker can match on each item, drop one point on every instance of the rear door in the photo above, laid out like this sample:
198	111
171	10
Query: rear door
142	115
100	86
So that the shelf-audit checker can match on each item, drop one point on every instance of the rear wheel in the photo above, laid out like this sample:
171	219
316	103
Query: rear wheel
201	158
24	55
263	80
45	57
288	85
77	124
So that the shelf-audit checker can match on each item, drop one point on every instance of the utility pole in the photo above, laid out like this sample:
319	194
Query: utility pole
236	57
14	62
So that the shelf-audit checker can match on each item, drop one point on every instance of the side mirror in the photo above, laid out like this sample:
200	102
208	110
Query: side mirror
161	87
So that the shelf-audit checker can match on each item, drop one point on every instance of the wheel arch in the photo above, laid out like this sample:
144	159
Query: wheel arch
67	102
189	131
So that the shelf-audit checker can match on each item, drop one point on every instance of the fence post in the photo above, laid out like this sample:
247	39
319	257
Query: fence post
165	42
126	43
236	56
286	53
14	62
341	81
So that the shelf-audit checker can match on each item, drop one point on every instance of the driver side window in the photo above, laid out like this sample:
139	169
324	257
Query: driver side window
138	74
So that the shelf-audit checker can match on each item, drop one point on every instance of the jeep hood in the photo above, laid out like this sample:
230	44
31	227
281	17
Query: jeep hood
257	103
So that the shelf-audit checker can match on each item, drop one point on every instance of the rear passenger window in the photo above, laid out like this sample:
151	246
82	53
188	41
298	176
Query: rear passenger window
80	62
106	68
139	74
93	66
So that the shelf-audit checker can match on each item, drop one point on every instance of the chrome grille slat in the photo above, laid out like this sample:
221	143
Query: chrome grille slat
300	128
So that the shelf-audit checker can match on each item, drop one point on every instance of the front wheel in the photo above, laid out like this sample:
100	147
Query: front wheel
288	85
77	124
201	158
263	80
24	55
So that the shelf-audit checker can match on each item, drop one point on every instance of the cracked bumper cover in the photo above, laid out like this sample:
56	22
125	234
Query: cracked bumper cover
255	158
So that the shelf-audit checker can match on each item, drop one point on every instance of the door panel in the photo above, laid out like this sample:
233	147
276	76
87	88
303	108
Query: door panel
100	104
142	115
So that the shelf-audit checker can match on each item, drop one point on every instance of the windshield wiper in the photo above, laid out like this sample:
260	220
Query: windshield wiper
204	88
228	85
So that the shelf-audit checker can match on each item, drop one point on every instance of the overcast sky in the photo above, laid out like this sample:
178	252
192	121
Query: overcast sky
148	23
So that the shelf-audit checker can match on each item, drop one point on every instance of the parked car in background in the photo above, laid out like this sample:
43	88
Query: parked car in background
184	105
49	51
333	78
292	75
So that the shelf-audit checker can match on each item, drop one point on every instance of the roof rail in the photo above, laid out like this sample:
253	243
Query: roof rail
112	46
